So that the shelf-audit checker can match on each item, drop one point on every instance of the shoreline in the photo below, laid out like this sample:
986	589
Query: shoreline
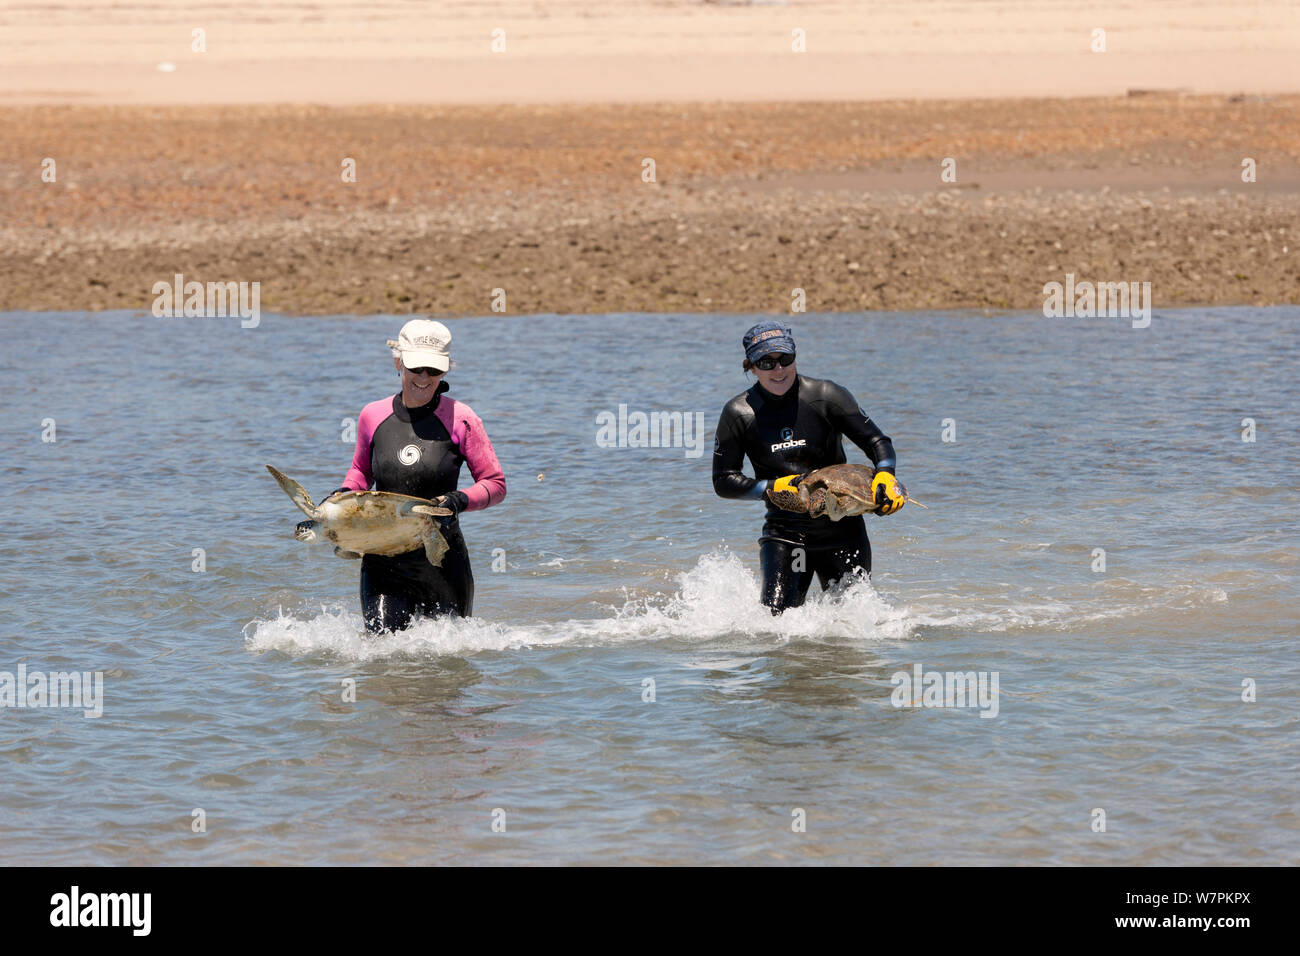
653	80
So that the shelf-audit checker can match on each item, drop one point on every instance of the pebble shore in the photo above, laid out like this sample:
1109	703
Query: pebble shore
748	203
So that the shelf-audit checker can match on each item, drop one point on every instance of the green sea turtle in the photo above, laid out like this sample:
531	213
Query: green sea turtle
836	491
368	522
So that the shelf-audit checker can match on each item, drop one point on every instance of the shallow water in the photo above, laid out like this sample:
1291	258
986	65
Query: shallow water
223	688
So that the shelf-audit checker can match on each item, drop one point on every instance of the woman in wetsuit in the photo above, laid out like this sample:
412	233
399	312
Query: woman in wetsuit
790	425
413	443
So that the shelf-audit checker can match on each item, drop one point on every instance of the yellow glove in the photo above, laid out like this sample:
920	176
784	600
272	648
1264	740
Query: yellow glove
889	494
788	483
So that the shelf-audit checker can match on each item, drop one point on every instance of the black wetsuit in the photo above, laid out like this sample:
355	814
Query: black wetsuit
411	451
796	433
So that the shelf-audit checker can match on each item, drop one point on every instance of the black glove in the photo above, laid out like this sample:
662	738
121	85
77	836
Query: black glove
336	491
457	501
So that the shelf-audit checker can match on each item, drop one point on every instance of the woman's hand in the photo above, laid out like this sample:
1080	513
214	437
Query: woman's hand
457	501
889	494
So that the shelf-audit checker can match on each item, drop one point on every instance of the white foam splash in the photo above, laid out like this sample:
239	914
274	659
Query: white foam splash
720	596
717	599
717	602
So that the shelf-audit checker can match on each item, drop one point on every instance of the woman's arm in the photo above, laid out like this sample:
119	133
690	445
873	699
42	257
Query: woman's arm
729	456
359	477
853	423
467	432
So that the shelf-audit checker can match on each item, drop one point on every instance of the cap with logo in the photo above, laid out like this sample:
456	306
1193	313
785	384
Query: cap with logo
766	338
424	343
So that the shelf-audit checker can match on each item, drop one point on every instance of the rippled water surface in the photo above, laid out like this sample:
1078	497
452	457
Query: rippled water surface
224	688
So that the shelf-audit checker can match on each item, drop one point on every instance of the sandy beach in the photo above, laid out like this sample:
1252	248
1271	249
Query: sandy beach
524	170
341	52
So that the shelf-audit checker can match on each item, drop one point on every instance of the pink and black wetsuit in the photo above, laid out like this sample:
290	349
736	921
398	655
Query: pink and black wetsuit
419	451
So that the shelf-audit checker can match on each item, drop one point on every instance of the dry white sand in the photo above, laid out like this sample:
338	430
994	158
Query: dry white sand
347	52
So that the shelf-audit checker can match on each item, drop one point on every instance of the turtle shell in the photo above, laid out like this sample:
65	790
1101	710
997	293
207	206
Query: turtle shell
374	522
838	491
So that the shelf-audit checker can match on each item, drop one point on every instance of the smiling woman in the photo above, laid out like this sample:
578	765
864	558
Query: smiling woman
413	443
789	426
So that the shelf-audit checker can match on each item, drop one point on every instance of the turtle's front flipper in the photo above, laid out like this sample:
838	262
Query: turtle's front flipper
435	545
834	507
347	554
295	491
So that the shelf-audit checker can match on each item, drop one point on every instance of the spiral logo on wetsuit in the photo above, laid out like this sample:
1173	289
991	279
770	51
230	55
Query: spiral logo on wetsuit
409	455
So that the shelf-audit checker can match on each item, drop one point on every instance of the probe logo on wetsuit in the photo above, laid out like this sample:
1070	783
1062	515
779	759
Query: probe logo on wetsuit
787	440
409	455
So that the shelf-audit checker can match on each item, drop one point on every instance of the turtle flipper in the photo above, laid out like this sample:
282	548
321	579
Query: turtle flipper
422	506
908	497
352	555
789	500
833	508
295	491
435	545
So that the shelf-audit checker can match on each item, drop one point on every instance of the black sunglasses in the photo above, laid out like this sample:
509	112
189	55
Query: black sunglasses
434	372
769	362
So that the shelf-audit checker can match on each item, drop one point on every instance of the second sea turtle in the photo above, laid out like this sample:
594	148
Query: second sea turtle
837	491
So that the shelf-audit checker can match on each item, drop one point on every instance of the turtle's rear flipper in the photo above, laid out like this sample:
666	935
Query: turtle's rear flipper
435	546
909	497
295	491
431	510
347	554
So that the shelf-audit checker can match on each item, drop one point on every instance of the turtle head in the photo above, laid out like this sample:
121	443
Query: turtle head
305	531
815	500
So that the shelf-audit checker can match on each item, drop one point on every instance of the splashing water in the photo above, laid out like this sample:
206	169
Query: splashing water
716	601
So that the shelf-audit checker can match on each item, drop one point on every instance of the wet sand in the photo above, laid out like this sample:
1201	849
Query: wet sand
750	201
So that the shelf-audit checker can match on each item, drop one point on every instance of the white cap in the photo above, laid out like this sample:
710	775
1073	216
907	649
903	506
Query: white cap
424	343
